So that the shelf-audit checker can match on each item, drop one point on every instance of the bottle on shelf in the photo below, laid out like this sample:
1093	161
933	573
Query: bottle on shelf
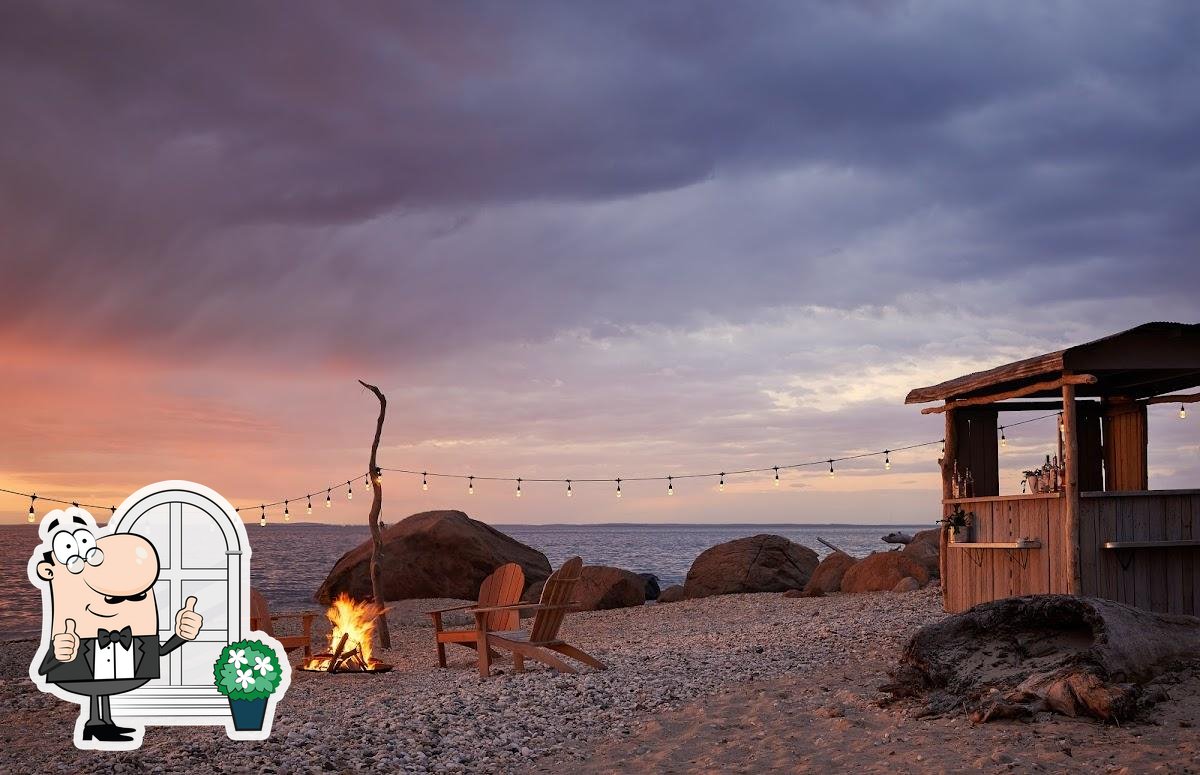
969	485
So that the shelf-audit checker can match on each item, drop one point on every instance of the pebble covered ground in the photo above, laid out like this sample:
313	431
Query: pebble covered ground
419	718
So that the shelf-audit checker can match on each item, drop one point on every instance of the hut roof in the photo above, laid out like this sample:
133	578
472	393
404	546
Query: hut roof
1150	359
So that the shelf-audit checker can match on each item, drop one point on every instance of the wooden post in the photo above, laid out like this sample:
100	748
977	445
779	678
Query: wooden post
385	637
1070	447
948	457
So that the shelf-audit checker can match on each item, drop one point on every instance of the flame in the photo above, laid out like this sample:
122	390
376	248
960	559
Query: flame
355	618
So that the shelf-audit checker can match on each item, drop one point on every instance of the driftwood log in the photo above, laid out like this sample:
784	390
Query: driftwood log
1023	655
381	626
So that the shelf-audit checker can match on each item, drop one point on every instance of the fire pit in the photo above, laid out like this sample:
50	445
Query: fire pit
350	639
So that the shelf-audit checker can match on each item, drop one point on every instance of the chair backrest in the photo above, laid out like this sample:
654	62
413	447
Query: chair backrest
558	590
260	614
503	587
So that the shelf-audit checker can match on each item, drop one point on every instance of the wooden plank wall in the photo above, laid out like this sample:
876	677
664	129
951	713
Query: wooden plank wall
1165	580
977	447
1125	466
976	576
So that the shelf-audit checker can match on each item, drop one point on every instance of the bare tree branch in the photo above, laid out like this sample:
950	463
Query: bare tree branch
385	637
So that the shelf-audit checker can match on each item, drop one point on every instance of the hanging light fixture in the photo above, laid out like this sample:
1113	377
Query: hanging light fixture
309	511
776	476
32	514
1003	440
262	519
328	499
378	476
349	492
721	486
470	485
424	481
887	460
670	486
618	488
1182	412
831	469
287	516
518	487
568	488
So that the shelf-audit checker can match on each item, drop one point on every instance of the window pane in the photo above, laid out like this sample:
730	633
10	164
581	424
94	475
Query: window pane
162	599
198	658
211	600
203	542
155	526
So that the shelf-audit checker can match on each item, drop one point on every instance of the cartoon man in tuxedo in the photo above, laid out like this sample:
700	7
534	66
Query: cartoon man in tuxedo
103	619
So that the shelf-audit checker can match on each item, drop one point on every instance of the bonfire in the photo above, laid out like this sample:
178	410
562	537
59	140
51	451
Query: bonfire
353	623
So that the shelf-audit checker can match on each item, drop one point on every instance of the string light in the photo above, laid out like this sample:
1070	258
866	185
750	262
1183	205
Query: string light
367	482
1003	441
424	481
831	468
309	511
32	515
1182	412
518	487
470	485
887	460
328	499
262	519
670	486
568	488
349	492
618	488
721	486
287	516
378	475
776	476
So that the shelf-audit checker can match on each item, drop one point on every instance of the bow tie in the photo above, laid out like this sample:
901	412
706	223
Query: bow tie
124	636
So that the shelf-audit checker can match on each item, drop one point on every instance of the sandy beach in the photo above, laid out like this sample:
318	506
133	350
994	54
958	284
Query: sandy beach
738	683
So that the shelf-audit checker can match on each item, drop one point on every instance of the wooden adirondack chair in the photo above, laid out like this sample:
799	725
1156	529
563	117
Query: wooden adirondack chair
262	620
542	639
498	591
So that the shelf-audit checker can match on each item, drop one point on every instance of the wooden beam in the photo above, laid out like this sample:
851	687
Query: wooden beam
1071	490
950	445
1183	398
1037	387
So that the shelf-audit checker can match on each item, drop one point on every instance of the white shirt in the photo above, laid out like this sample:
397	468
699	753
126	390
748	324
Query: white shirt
113	661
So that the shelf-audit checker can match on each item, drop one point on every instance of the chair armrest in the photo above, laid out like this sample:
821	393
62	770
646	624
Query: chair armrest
523	606
297	615
455	608
490	608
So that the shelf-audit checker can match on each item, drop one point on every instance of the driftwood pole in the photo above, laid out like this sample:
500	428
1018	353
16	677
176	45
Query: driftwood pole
381	626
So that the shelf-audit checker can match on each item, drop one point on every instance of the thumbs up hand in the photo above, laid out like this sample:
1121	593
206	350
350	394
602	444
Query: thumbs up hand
66	643
187	621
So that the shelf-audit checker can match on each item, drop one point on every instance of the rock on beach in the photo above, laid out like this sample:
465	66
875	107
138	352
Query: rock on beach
882	571
761	563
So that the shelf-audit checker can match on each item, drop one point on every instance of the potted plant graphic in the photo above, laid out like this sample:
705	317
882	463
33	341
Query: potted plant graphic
247	673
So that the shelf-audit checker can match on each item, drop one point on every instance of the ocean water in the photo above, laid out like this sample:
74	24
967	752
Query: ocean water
290	561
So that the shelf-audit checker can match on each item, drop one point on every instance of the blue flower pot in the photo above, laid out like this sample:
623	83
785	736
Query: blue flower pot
248	714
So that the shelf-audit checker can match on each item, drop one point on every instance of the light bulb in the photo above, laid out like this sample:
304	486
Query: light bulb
518	488
328	500
287	516
670	486
309	512
618	488
367	482
1182	412
470	485
887	460
262	520
568	488
1003	440
721	486
424	482
776	476
32	514
349	492
379	476
830	469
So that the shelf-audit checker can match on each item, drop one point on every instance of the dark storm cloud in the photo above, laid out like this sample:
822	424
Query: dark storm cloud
397	179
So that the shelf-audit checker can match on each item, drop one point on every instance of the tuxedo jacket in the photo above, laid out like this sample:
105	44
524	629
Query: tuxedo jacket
146	651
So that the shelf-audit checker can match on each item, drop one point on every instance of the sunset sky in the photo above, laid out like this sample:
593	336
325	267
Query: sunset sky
572	240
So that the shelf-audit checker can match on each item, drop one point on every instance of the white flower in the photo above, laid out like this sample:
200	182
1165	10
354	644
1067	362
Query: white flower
237	658
245	678
263	666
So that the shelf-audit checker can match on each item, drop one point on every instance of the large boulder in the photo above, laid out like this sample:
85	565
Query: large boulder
828	575
924	549
1024	655
881	572
652	588
432	554
672	594
761	563
602	586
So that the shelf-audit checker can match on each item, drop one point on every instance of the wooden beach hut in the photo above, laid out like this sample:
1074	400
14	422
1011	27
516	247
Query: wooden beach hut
1106	533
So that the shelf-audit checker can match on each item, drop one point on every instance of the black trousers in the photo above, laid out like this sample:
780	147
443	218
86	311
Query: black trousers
98	692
